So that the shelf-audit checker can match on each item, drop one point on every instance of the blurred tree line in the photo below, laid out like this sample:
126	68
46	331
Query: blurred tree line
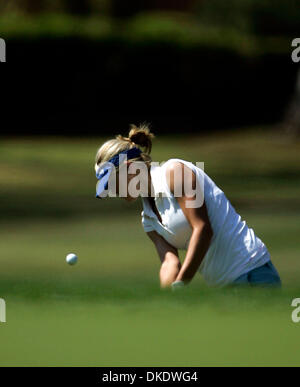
233	54
271	17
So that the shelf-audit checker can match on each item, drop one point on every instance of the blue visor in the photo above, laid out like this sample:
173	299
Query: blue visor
104	171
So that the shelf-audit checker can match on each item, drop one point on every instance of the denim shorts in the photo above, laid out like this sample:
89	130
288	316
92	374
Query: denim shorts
265	275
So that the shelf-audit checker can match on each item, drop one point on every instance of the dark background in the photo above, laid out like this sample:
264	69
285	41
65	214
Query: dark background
67	82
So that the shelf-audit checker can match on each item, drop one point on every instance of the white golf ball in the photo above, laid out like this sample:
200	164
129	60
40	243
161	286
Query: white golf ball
71	259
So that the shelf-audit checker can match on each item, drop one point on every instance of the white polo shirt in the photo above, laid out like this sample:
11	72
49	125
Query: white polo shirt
234	249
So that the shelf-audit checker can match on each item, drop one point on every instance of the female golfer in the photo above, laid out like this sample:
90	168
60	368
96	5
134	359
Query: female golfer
218	243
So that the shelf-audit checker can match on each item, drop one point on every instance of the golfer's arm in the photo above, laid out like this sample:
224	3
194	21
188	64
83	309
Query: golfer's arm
198	246
170	263
198	219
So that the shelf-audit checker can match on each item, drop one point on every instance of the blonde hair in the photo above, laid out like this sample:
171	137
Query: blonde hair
139	137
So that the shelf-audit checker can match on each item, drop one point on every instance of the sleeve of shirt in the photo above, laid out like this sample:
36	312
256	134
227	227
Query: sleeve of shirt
147	223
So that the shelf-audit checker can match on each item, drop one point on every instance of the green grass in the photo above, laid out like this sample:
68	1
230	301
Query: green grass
108	309
151	330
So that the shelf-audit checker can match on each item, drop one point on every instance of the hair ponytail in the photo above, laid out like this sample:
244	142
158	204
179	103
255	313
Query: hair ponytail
138	136
141	136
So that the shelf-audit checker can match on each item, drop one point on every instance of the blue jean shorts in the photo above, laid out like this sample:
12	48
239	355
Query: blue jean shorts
265	275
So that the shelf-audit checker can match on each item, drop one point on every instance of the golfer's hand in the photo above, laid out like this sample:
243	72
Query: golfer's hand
177	285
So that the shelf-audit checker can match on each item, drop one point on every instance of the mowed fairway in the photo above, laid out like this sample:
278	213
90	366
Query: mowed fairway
108	310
